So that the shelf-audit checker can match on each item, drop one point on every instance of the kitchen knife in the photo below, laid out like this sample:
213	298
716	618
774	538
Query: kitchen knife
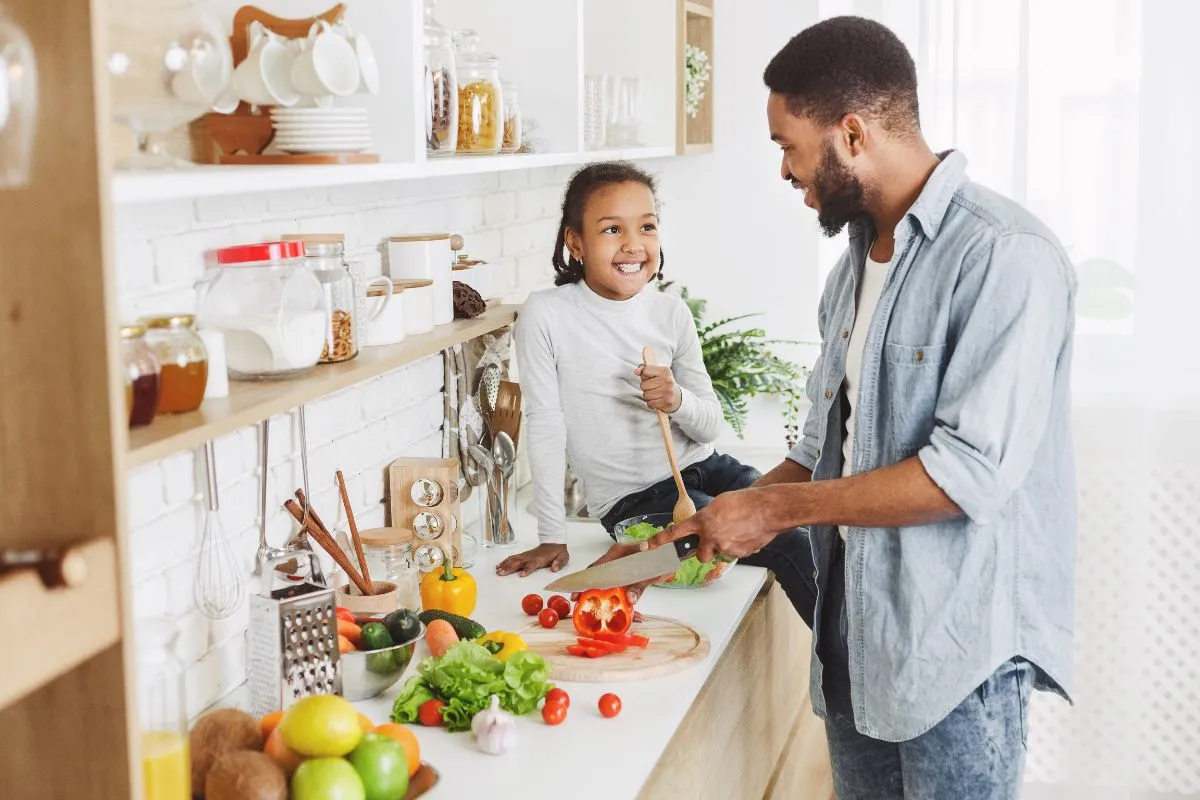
641	566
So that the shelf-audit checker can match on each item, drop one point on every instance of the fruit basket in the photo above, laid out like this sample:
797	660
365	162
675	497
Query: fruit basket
692	572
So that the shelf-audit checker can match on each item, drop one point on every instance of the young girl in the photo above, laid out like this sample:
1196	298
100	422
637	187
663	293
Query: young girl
588	397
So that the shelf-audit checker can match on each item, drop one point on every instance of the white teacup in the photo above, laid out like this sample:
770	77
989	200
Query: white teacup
205	75
264	78
368	67
327	64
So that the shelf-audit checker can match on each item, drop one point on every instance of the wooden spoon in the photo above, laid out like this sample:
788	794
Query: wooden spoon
684	507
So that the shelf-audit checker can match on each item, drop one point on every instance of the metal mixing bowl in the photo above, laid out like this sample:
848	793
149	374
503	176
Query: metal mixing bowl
369	673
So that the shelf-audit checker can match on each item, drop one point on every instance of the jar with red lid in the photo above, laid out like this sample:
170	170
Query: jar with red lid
270	308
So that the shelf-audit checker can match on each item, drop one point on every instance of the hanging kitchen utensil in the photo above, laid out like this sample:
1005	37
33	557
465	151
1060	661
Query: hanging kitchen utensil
266	554
685	507
299	540
506	417
217	588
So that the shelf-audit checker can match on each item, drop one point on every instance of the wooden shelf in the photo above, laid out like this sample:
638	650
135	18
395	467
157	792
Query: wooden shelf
210	181
695	27
251	402
698	9
90	615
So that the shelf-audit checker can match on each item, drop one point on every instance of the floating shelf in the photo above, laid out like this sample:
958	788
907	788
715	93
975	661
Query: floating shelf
209	181
695	28
251	402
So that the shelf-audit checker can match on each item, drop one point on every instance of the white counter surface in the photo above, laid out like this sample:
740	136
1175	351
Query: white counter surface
587	756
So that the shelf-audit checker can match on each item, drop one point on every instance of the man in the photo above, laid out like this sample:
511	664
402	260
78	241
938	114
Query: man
936	470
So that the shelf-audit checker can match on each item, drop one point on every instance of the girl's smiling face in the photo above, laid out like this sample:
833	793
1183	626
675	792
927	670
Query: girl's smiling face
619	244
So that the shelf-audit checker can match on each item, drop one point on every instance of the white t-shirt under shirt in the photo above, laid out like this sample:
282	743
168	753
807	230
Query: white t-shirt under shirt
577	353
869	290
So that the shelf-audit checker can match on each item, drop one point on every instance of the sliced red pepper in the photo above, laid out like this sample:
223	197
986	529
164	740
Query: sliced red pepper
587	652
602	610
608	647
627	639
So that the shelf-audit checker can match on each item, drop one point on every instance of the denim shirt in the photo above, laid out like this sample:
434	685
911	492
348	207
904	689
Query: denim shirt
966	366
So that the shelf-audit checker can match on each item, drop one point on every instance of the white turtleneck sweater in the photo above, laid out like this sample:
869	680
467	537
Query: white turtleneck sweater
577	353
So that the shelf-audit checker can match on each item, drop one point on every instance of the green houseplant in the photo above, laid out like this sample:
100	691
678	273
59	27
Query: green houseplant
742	366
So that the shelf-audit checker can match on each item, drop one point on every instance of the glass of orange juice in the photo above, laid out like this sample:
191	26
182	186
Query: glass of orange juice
166	770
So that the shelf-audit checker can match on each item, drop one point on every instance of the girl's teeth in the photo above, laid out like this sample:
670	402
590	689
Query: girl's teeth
629	269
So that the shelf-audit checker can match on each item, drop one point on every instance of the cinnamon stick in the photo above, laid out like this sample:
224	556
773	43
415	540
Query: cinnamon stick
328	545
362	560
312	512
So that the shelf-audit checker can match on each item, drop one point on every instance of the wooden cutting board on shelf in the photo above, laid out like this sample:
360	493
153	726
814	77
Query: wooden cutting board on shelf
674	646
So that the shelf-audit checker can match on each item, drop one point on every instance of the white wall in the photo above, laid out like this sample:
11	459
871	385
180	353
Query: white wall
735	233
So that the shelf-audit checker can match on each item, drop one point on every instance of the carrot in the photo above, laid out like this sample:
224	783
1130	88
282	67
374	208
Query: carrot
440	636
345	645
350	631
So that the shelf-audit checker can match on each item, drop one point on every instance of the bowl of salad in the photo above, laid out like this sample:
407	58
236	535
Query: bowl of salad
692	572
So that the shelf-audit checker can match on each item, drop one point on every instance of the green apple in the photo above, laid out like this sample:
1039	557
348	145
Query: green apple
382	765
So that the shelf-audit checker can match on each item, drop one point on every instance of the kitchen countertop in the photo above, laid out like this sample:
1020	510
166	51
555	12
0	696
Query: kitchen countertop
580	757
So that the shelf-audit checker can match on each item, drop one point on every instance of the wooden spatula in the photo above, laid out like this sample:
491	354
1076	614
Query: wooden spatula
684	507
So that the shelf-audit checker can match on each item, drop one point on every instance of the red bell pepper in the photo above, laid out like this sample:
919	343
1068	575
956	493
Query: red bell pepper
608	647
627	639
602	610
588	652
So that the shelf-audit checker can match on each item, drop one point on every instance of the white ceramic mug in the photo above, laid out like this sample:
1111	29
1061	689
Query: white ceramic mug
385	320
205	76
368	67
264	77
326	64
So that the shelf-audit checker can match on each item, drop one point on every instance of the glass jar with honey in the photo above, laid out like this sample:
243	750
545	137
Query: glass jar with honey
183	360
142	374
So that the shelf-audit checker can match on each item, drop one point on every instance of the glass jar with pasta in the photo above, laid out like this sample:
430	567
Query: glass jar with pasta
480	98
323	255
512	119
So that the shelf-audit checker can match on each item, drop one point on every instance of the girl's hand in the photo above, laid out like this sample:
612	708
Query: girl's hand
659	389
553	556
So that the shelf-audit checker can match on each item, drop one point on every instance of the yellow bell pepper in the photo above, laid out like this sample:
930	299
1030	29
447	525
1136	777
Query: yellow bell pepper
509	643
451	589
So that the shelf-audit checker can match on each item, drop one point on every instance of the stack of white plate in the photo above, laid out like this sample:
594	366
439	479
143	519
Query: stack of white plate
321	130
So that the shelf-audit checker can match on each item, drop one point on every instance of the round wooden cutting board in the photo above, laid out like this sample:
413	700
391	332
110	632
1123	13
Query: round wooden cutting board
673	646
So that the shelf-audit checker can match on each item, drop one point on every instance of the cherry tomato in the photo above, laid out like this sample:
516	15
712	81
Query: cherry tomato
561	605
531	604
548	618
554	713
430	713
344	613
610	705
557	695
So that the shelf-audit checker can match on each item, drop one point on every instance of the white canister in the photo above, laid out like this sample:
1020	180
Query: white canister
417	302
477	276
384	315
426	256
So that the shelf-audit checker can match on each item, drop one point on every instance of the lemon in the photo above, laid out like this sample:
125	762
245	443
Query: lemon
321	726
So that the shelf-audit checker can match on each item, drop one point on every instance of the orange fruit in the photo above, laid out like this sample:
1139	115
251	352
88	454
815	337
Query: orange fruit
284	757
407	740
365	722
269	723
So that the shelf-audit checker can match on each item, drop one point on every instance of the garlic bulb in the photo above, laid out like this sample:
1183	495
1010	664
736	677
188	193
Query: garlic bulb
495	729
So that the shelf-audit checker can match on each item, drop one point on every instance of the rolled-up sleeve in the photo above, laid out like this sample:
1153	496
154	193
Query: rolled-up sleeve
1010	335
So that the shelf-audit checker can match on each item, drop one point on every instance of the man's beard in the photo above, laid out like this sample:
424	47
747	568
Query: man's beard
841	196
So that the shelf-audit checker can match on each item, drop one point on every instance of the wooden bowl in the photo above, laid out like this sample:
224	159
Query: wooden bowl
385	600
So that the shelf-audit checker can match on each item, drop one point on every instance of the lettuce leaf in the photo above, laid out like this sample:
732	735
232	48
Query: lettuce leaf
641	531
467	677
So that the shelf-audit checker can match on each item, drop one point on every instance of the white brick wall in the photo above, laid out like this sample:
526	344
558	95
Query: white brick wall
163	249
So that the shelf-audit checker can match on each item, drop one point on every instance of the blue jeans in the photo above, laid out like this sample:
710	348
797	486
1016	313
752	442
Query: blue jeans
788	555
976	753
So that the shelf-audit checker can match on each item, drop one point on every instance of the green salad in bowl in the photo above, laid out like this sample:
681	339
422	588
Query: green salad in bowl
692	572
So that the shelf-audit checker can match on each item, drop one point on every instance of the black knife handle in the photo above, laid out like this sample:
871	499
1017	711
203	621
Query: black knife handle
687	546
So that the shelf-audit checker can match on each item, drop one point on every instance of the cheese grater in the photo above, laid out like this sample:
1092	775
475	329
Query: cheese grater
293	649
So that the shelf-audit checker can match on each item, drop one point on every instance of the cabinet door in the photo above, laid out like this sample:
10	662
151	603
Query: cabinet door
63	709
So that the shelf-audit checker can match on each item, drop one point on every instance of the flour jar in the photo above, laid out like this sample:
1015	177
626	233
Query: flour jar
271	309
418	300
426	256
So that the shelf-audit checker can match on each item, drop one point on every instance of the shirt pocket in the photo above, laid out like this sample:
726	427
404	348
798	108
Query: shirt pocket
914	379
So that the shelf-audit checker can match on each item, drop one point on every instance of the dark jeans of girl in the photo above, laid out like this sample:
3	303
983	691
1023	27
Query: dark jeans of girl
787	555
